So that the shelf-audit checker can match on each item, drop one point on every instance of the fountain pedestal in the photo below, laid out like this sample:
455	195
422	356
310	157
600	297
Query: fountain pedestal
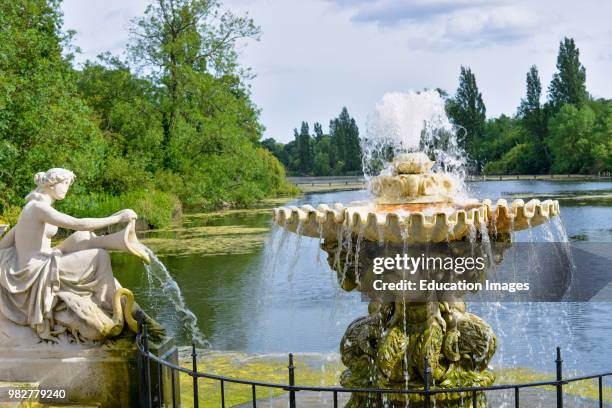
406	330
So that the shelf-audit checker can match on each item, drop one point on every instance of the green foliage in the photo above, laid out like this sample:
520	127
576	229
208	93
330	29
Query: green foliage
336	153
248	175
325	156
156	208
568	85
43	123
531	103
576	144
467	110
304	149
517	160
344	130
209	127
571	133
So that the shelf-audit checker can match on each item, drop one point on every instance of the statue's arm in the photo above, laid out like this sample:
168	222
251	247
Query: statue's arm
51	216
8	240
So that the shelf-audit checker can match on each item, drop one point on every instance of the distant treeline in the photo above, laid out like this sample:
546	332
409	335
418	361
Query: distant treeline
171	126
570	133
334	153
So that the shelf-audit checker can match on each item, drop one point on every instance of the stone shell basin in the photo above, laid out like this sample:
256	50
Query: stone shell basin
415	223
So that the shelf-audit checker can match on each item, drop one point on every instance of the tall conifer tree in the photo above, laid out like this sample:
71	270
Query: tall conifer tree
533	119
305	149
345	133
467	110
569	82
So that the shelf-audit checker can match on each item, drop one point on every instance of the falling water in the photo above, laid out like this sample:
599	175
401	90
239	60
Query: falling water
171	289
486	242
563	239
320	243
296	253
340	237
349	249
381	234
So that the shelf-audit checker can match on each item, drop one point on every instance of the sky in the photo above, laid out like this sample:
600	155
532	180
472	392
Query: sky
317	56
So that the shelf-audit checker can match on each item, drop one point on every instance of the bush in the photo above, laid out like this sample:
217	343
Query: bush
521	159
239	179
158	209
10	215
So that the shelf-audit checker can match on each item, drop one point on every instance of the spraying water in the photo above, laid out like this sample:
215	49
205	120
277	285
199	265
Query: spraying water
411	122
158	271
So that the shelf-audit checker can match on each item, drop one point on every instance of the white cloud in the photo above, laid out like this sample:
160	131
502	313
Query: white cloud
390	12
443	24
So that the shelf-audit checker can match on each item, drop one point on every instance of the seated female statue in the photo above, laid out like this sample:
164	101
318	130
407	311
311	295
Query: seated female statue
38	279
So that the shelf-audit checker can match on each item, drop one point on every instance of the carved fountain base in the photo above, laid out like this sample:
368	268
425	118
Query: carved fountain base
390	347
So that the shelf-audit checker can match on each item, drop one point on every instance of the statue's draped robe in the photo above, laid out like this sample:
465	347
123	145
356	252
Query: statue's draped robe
29	295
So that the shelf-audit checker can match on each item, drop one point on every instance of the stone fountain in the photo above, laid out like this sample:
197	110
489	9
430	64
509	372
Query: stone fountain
415	213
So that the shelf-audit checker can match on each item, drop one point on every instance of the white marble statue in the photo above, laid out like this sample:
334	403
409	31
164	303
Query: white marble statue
68	287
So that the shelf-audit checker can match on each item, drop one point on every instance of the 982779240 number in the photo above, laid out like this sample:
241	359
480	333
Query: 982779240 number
35	394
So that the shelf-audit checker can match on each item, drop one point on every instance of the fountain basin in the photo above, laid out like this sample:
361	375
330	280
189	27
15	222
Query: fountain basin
415	223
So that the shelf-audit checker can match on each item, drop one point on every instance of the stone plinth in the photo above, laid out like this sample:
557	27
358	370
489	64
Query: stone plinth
91	374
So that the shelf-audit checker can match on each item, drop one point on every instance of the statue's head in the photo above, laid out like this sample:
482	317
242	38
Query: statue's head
54	182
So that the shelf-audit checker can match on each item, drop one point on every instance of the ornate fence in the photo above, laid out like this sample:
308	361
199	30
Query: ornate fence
154	393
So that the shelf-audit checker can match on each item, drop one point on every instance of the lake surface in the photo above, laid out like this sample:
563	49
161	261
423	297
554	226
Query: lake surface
257	290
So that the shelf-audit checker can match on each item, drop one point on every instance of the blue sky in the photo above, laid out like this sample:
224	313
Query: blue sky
316	56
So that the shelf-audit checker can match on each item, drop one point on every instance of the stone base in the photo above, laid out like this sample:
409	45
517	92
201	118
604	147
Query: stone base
91	374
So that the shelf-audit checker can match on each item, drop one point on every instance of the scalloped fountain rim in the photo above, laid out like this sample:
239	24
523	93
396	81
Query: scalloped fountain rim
415	226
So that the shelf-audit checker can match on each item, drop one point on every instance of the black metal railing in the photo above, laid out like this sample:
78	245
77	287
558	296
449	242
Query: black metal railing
153	396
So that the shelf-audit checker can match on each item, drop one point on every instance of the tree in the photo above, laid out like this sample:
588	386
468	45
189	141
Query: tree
572	140
467	110
325	156
43	122
211	128
345	135
184	43
305	149
569	82
531	103
321	164
533	119
318	131
278	150
129	119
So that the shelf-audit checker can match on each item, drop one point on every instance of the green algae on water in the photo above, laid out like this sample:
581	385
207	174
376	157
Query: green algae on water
226	232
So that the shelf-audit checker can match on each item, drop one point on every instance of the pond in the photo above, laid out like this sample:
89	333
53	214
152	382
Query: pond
252	292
